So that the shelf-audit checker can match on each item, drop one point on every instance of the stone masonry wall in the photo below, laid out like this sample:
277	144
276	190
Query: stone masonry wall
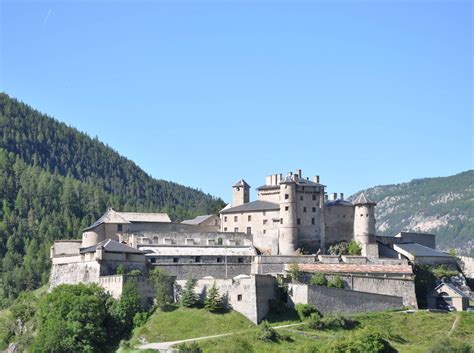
200	270
74	272
334	300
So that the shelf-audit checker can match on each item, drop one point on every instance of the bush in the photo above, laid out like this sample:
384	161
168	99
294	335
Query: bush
120	270
140	319
449	345
135	273
305	310
193	347
353	248
163	284
442	271
331	322
266	333
318	279
294	272
336	282
364	341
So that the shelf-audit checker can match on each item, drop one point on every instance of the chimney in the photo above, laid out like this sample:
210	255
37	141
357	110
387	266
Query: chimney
334	196
341	196
296	177
272	180
276	179
316	179
299	173
307	178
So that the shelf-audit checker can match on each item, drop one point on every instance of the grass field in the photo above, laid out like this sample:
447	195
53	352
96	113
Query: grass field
406	332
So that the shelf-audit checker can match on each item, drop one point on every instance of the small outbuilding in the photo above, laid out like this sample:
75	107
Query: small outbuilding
446	296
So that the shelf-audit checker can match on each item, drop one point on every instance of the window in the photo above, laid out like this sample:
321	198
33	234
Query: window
189	241
153	260
367	215
155	239
211	241
264	221
168	241
249	230
236	218
362	215
219	240
240	260
264	213
301	197
298	221
119	227
264	231
314	197
343	216
249	218
313	209
175	260
286	208
304	209
287	196
239	297
219	259
312	220
225	229
236	229
197	259
281	220
225	218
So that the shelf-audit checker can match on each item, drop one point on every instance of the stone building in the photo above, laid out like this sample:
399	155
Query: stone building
448	297
210	220
292	213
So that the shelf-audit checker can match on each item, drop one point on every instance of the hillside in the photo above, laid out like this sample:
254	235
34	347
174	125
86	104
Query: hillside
56	181
443	206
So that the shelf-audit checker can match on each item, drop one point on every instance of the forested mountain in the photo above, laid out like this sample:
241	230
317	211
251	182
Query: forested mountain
443	206
55	181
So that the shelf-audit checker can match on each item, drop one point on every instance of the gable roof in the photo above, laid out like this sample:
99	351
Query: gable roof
198	220
253	206
363	200
434	292
112	216
110	245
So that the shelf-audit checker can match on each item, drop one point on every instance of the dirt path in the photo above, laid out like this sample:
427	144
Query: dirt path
455	325
164	346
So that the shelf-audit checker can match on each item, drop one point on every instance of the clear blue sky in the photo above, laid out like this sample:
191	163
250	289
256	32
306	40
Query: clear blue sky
362	93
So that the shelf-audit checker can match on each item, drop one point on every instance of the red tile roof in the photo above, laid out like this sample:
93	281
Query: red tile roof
356	268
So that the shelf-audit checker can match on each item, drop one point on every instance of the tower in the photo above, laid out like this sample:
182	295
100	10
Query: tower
288	230
241	192
364	222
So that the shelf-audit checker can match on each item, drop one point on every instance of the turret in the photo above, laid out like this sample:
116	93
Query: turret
364	222
288	230
241	193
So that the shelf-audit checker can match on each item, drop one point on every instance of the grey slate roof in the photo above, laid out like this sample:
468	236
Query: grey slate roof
420	250
252	206
112	216
110	245
451	286
290	179
197	220
241	183
339	202
363	200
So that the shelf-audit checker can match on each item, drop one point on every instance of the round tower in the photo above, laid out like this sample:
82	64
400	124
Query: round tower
288	230
364	220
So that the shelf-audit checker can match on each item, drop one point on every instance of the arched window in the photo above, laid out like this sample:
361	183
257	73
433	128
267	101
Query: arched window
155	239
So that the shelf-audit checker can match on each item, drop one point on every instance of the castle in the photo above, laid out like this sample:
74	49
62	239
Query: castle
251	244
293	212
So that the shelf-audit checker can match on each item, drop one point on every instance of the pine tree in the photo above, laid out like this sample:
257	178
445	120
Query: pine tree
213	301
188	298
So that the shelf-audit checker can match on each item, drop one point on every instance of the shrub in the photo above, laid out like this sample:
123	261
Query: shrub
294	272
318	279
213	301
336	282
193	347
364	341
162	282
266	333
442	271
305	310
353	248
450	345
331	322
140	319
135	273
120	270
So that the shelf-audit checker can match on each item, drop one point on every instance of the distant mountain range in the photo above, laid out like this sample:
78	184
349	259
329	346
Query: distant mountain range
443	206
